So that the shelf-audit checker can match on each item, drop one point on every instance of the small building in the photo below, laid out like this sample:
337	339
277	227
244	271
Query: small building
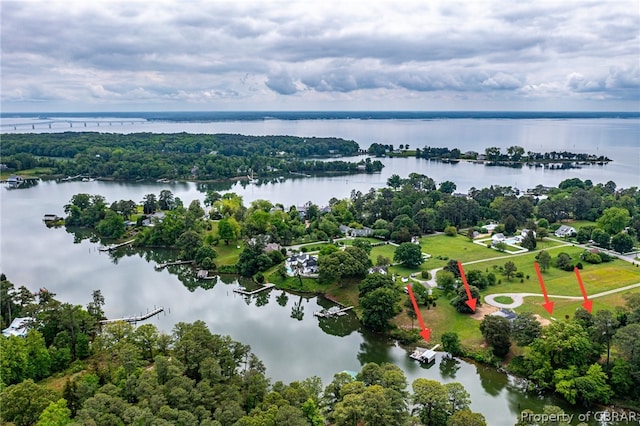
505	313
18	327
356	232
268	248
565	231
51	218
378	270
525	231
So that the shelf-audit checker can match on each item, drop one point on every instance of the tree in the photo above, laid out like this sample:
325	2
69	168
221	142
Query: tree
373	282
614	220
451	231
409	254
627	339
149	204
601	238
394	181
510	225
525	328
509	269
165	200
431	400
23	403
378	307
451	343
228	229
112	226
466	418
544	260
563	261
529	241
496	331
56	414
622	242
447	187
603	329
460	301
446	281
188	243
362	244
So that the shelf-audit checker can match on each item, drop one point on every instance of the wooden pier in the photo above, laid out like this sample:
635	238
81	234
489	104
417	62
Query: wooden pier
334	311
115	246
160	266
134	319
250	293
425	355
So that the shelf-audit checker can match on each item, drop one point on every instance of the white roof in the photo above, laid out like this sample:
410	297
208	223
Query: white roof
18	327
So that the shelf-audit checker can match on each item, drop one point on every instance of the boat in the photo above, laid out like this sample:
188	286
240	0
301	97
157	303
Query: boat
251	178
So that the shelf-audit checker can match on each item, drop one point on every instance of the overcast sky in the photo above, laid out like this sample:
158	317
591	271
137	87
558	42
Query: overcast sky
153	55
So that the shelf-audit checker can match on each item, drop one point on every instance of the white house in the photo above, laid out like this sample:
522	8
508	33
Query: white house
304	263
18	327
565	231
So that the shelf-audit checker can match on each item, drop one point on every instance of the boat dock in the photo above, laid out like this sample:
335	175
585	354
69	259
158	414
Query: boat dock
115	246
424	355
135	319
249	293
333	311
160	266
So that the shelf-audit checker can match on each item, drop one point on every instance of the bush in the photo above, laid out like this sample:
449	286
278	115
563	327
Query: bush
579	265
406	337
304	249
593	258
228	269
450	231
425	275
259	277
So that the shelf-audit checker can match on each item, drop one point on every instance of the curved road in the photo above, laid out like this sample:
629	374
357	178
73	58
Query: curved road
518	298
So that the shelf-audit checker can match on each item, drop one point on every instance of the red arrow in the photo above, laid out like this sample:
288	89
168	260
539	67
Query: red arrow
472	301
425	332
588	304
547	305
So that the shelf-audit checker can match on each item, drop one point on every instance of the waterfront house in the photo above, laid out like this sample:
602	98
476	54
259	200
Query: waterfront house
304	264
565	231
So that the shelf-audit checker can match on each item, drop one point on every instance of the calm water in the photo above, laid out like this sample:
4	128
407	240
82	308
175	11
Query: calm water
280	327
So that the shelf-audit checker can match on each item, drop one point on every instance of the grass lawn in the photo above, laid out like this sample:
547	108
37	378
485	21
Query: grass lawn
563	307
35	172
444	318
386	250
227	254
579	223
458	248
596	278
503	299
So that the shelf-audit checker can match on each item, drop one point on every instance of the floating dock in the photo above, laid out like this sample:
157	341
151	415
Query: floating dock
115	246
424	355
249	293
134	319
334	311
160	266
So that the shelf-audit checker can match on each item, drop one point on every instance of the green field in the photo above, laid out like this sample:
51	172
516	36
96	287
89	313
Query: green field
596	278
564	307
458	248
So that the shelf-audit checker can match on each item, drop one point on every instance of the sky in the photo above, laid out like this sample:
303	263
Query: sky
79	55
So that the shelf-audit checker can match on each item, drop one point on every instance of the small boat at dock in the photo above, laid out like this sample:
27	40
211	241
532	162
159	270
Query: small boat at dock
424	355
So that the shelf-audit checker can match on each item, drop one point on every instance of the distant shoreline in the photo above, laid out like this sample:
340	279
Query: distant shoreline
214	116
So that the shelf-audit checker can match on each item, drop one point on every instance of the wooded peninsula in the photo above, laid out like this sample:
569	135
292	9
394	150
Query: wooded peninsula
180	156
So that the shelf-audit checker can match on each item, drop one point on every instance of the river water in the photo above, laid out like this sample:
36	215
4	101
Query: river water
280	327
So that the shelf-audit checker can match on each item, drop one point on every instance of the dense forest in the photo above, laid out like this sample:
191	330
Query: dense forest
178	156
70	370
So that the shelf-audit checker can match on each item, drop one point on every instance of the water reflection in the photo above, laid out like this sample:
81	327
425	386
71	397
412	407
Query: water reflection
449	366
492	381
297	310
282	299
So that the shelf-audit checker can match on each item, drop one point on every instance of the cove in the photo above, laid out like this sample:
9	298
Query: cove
279	326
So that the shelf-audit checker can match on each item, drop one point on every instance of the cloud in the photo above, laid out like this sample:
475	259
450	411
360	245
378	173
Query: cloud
253	53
